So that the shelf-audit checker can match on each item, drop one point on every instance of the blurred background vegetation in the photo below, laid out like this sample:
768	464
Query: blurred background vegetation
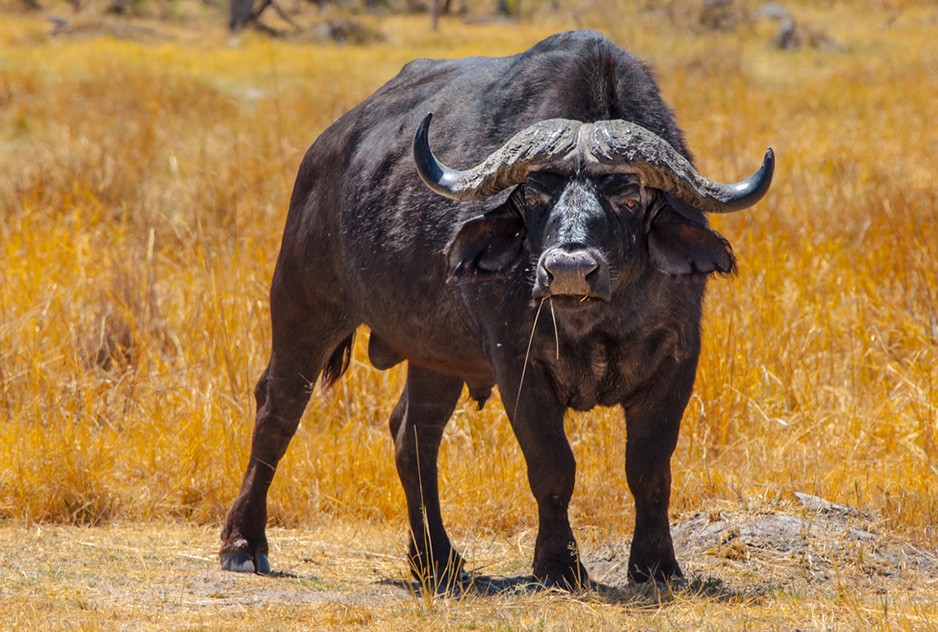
353	20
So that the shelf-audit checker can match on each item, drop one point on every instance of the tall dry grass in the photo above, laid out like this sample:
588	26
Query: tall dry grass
144	186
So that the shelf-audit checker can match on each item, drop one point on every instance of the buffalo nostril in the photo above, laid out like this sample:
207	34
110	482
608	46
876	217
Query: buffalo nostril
560	262
569	272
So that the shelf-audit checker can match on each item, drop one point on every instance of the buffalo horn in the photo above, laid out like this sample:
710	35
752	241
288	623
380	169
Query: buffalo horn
601	147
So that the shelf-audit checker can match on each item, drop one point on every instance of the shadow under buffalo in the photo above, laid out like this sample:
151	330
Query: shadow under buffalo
649	594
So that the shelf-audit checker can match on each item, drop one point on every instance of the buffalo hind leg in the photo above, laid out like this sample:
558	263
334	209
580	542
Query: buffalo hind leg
652	425
417	424
282	394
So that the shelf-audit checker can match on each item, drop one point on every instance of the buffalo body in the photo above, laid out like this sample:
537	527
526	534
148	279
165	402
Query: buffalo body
572	278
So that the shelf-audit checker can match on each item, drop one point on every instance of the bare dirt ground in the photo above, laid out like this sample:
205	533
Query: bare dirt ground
826	567
758	551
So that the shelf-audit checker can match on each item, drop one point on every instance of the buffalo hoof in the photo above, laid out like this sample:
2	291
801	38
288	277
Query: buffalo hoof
447	584
570	577
244	563
659	572
440	578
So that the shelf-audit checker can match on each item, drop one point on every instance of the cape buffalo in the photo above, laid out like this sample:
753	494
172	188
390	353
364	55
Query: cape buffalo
578	197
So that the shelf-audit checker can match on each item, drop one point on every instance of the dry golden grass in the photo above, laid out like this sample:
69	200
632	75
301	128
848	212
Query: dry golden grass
143	187
339	574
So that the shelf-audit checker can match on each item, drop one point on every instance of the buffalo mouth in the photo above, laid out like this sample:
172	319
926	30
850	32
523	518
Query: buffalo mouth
571	302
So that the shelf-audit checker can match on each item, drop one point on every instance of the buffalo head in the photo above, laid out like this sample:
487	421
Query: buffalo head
596	201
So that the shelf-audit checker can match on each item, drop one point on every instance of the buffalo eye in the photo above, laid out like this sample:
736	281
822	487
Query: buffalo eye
535	198
623	191
626	201
542	188
630	203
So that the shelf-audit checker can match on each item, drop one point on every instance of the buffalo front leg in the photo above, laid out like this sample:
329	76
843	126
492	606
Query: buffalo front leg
537	420
652	424
417	425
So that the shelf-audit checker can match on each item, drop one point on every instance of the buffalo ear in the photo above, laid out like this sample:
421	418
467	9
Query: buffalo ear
678	245
485	244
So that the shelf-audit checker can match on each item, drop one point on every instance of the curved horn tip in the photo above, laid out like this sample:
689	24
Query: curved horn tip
422	134
437	176
768	170
427	165
752	189
425	124
769	158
